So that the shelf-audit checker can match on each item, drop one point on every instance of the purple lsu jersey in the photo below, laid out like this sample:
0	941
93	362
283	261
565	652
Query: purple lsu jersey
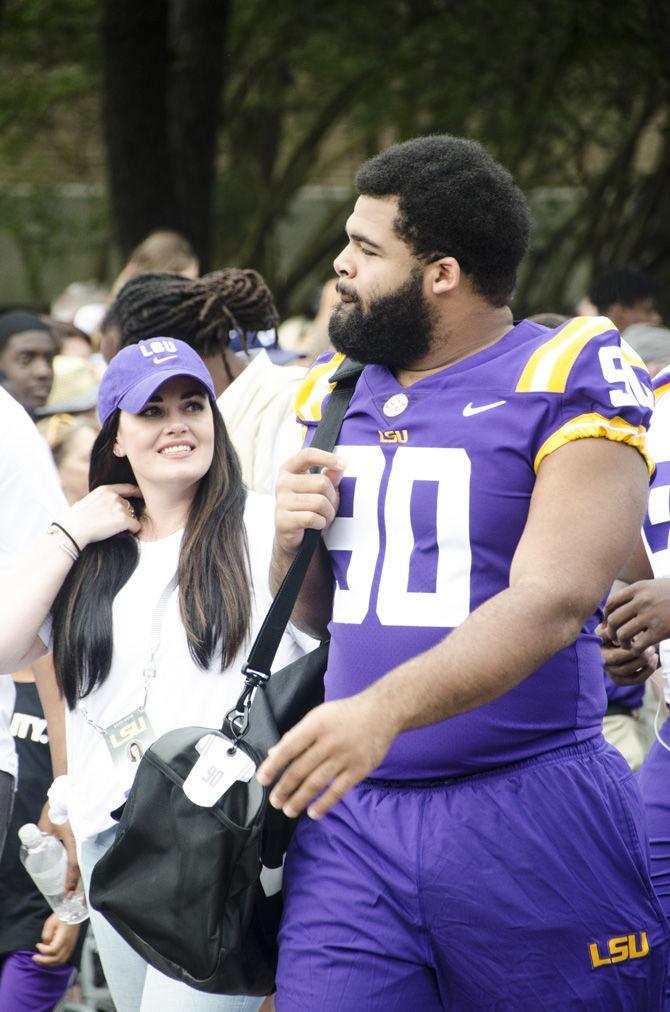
657	520
656	528
433	503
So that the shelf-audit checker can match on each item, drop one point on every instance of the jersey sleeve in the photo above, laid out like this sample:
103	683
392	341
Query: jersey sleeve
316	388
661	383
593	385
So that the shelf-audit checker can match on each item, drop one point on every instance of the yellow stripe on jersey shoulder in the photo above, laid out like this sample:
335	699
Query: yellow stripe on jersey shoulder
594	425
549	366
315	389
631	356
661	383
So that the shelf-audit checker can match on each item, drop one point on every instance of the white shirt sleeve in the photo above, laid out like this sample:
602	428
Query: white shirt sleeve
30	493
30	497
46	633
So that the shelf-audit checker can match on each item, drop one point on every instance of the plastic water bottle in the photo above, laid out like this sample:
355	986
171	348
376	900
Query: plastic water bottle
45	859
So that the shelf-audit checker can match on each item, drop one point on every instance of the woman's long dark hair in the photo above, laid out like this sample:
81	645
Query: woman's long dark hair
214	575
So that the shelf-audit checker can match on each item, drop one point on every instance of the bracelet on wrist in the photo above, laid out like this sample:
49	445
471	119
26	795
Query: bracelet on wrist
57	529
66	547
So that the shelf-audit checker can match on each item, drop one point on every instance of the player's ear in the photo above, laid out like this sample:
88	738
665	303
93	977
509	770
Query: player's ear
445	275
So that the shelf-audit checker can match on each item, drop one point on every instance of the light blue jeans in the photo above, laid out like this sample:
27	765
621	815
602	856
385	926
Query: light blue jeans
136	986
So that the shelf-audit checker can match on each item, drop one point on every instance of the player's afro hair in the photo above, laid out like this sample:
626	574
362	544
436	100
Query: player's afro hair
454	200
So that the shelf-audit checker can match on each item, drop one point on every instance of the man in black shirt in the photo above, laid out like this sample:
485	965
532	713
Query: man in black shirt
38	952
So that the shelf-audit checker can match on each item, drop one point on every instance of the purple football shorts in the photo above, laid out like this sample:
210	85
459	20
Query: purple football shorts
25	986
654	781
519	890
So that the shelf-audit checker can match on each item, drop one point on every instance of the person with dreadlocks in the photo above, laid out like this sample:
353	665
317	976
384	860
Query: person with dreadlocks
225	316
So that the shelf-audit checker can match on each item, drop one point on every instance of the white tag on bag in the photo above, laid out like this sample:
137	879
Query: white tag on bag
216	770
272	878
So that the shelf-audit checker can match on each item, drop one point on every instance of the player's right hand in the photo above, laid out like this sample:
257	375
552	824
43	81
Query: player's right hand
102	513
305	499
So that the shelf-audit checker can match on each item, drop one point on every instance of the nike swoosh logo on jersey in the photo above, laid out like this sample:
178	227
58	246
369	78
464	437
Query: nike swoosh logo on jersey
470	409
162	358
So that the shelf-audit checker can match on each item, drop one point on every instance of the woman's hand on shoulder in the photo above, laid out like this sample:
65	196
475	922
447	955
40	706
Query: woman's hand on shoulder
102	513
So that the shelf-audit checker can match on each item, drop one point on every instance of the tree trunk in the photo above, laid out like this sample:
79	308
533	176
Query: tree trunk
194	104
135	73
163	69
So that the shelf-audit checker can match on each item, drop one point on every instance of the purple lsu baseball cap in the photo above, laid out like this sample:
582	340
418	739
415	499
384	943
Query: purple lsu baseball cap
136	372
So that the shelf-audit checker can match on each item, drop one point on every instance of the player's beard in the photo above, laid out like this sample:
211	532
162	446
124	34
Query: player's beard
395	330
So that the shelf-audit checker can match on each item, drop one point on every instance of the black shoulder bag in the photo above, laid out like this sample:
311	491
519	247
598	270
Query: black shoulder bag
196	890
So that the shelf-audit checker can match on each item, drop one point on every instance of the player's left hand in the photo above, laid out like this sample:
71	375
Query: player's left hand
626	666
58	942
641	612
333	748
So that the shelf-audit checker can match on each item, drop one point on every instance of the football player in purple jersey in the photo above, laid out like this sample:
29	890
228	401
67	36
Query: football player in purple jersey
472	842
638	618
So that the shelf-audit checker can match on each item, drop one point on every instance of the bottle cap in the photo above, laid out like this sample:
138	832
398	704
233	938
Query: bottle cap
30	835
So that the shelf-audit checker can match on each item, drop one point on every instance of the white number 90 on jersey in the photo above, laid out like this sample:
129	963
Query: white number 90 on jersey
618	371
359	534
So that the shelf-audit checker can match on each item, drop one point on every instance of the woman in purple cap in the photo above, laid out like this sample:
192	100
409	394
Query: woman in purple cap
148	590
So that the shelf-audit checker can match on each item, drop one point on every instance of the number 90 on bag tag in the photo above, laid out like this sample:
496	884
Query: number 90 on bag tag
215	771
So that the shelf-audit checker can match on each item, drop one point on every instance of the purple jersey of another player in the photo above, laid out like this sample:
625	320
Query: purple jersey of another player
657	520
656	528
433	503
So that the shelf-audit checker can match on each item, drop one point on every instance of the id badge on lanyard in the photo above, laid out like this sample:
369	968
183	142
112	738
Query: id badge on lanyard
128	738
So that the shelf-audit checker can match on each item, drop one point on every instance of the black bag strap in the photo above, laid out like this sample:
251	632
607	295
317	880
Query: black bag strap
256	669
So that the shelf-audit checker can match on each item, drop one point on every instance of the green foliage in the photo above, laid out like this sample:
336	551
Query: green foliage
50	58
571	96
51	225
564	94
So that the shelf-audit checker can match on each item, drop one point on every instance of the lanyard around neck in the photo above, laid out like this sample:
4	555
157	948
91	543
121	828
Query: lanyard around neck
149	670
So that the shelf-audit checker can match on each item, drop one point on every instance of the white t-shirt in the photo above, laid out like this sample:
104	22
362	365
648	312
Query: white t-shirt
181	693
257	407
30	498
